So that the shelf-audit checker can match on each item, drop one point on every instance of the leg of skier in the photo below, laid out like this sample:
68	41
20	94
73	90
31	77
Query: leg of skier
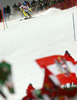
28	14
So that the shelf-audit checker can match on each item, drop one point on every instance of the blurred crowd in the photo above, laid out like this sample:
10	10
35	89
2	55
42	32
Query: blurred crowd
34	5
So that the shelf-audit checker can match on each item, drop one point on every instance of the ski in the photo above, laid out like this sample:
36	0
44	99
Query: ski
26	18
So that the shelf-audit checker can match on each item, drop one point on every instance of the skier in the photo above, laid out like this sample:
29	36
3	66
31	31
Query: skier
5	78
26	10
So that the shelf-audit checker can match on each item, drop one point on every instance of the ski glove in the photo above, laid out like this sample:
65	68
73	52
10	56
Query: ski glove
30	10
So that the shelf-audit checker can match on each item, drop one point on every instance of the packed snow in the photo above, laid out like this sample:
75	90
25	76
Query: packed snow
50	32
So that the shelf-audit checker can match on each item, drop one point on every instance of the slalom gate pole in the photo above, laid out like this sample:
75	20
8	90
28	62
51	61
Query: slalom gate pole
74	26
3	17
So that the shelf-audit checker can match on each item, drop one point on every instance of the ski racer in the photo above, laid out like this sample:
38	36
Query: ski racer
26	10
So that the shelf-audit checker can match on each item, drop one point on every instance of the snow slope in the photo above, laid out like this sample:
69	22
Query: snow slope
48	33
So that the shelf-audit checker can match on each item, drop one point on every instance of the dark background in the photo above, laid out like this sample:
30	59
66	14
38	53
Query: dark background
11	2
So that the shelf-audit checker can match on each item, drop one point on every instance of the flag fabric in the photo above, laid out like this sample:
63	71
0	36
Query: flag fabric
31	95
62	66
72	64
52	90
63	98
49	86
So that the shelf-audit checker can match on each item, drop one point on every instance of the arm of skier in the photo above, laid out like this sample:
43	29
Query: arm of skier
30	10
21	7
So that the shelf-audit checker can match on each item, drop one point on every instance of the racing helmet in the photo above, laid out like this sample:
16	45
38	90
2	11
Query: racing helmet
24	3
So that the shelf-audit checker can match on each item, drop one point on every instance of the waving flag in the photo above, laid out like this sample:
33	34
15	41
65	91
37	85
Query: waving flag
71	63
63	67
49	86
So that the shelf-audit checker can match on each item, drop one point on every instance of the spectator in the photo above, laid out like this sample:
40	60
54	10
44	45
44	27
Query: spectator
5	10
14	7
5	78
29	93
8	9
33	4
0	15
45	3
30	87
39	5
